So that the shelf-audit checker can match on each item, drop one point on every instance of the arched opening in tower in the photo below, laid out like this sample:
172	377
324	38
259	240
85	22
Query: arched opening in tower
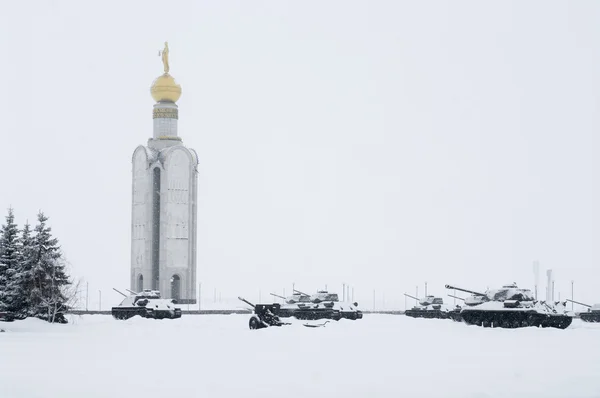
155	227
140	283
176	287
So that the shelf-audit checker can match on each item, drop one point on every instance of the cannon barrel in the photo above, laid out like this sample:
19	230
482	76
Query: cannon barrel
464	290
577	302
132	292
412	297
456	297
121	293
304	294
276	295
246	301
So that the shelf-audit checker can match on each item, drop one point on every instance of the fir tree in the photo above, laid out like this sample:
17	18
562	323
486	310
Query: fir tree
9	263
48	299
24	278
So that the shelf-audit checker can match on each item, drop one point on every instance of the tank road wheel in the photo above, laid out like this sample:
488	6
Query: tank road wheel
254	323
485	322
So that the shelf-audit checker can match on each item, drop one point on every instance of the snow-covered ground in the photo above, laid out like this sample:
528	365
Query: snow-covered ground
214	356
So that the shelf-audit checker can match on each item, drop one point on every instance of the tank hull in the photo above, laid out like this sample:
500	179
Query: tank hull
593	317
310	314
352	315
324	310
455	315
429	314
123	313
515	319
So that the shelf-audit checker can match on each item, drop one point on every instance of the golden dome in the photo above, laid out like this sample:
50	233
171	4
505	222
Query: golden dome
164	88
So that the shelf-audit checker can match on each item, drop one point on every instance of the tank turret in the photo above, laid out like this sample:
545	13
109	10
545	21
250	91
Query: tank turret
427	300
320	296
510	307
294	298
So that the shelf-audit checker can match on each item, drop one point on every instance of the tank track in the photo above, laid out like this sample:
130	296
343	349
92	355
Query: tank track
593	317
429	314
455	315
353	315
127	313
515	319
306	314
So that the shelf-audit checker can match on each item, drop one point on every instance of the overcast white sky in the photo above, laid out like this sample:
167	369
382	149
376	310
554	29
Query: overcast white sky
381	144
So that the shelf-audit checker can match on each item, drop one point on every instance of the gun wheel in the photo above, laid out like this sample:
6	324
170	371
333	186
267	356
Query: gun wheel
254	323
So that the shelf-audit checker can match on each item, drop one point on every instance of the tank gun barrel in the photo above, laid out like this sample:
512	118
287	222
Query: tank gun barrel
577	302
303	294
276	295
464	290
246	301
456	297
121	293
412	297
131	291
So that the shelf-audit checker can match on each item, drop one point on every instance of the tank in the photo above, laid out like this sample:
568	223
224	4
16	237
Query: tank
147	304
328	300
323	305
428	307
592	314
510	307
304	308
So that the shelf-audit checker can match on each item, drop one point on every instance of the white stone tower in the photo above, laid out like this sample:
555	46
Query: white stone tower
163	224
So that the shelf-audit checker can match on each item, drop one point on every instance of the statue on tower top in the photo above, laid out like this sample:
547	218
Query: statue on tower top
165	57
164	87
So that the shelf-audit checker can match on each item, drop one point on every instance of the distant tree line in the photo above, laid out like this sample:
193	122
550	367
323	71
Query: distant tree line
33	276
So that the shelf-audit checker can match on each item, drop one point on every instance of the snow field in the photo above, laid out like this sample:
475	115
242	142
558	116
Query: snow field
96	356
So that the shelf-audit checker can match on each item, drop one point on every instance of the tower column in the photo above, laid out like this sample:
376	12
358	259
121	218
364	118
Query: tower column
165	115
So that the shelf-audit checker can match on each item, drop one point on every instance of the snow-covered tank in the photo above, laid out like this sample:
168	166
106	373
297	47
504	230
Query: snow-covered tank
428	307
510	307
323	305
147	304
592	314
325	299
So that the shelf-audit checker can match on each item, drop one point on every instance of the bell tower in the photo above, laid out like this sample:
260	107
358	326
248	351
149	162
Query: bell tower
164	198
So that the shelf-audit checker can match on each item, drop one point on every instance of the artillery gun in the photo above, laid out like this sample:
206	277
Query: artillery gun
428	307
265	315
592	314
147	304
509	307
